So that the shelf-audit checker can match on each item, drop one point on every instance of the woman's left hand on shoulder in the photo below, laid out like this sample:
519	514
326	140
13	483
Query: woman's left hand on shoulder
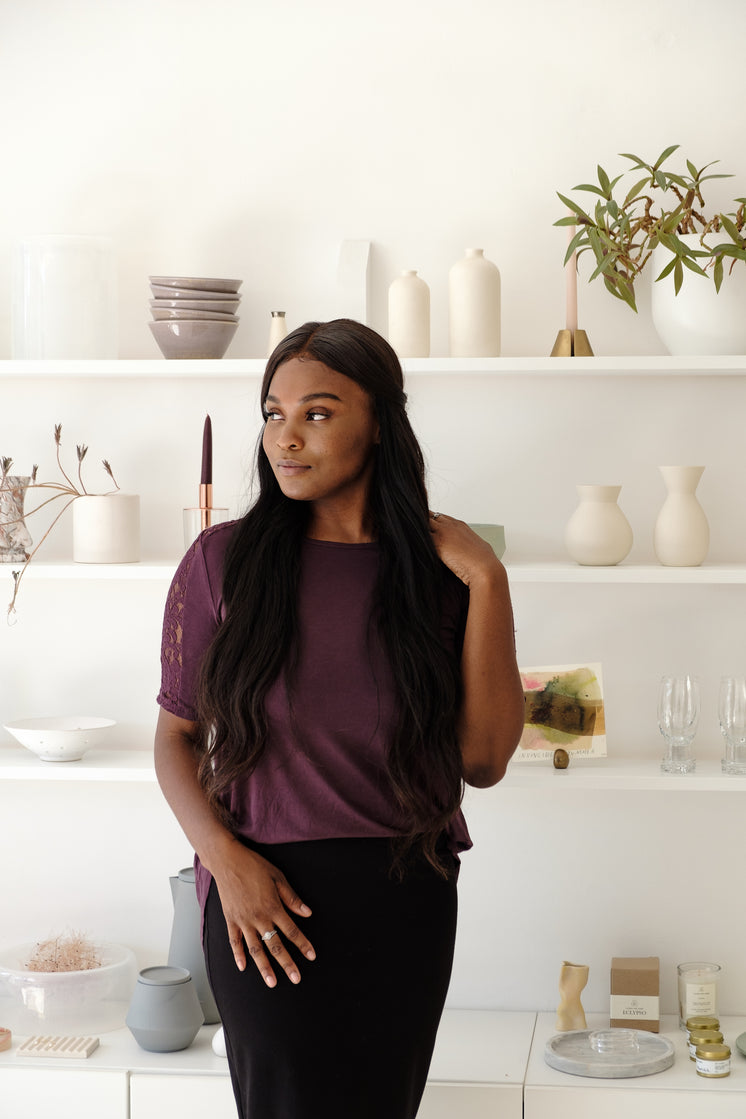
462	550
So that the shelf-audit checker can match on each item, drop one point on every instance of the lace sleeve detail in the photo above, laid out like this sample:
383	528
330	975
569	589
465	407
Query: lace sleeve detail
189	622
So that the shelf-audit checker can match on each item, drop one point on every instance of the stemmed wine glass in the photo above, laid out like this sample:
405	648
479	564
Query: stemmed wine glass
678	715
732	718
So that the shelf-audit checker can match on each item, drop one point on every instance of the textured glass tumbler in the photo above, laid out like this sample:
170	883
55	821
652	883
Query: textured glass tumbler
678	715
732	719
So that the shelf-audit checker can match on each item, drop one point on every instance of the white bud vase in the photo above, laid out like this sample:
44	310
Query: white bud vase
409	315
278	329
682	534
474	306
598	534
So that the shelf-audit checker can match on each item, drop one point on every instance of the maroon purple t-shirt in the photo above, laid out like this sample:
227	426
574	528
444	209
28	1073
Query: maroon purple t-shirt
323	773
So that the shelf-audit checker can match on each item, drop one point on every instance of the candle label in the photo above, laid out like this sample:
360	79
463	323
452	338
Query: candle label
699	998
640	1007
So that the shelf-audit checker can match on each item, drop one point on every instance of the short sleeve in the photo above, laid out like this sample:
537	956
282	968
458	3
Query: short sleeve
191	618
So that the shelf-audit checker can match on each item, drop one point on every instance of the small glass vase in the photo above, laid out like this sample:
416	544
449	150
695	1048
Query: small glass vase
15	538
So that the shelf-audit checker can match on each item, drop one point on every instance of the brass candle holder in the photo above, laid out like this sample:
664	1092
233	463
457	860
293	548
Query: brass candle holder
571	343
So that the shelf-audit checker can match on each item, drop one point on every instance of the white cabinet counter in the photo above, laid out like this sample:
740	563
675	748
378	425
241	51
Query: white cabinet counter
677	1092
478	1070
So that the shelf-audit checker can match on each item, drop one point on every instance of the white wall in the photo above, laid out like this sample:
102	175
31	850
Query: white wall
249	140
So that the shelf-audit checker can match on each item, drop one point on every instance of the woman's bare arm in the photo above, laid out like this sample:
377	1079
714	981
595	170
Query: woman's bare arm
492	711
255	896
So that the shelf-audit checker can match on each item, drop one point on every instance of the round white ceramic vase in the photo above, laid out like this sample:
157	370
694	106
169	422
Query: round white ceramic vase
474	306
598	534
106	528
409	315
682	534
699	320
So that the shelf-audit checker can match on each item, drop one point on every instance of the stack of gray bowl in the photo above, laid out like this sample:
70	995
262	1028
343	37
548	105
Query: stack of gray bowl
194	317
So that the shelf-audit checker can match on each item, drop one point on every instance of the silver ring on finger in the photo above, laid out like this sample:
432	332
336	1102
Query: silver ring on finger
268	935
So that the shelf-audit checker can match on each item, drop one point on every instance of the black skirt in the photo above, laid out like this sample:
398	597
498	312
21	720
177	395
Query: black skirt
353	1040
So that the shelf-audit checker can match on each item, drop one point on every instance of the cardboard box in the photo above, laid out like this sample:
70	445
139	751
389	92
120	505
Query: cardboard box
635	993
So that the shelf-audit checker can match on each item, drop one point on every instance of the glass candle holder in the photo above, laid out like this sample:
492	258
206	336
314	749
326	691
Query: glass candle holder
698	989
196	519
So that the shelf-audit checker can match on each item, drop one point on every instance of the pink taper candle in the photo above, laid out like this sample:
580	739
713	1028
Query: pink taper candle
571	287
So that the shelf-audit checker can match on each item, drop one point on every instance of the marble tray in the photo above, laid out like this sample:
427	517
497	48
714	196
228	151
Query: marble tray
571	1052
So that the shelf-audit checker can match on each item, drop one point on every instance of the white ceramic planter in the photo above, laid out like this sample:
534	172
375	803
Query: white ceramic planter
598	534
106	529
699	320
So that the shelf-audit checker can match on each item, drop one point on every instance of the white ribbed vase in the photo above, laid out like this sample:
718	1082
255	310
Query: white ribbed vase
409	315
598	534
682	533
474	306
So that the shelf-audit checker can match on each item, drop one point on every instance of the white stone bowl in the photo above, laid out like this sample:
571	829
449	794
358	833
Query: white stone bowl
193	338
60	738
66	1002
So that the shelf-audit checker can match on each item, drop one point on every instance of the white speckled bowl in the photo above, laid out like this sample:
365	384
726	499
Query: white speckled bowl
60	738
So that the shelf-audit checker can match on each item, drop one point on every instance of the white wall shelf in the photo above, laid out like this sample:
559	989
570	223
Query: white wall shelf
706	575
610	774
519	572
724	366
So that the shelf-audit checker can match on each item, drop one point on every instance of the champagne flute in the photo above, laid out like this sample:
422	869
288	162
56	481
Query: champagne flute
678	715
732	719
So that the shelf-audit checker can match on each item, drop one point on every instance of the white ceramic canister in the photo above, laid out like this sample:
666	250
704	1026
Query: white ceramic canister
682	534
474	306
278	329
598	534
164	1014
700	319
409	315
106	528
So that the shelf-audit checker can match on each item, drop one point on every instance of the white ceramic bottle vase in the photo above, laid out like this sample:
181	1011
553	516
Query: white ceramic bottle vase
682	534
474	306
278	328
598	534
409	315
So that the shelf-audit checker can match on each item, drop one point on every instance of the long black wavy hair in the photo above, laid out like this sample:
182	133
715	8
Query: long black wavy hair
258	637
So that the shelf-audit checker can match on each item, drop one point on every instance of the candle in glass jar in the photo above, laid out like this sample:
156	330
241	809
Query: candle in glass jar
698	983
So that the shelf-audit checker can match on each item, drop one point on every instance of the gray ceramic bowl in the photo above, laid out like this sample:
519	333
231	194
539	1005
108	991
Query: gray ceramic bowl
227	303
200	282
165	313
161	292
192	338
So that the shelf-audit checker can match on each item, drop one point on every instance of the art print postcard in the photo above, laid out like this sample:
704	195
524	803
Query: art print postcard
564	708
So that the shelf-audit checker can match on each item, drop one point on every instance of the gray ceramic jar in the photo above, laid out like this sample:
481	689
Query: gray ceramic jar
165	1013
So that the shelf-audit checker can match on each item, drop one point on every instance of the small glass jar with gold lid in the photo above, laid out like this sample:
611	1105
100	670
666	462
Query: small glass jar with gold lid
703	1037
713	1059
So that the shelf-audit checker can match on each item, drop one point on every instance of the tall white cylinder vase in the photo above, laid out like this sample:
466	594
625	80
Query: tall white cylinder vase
682	533
65	298
106	528
598	534
474	306
409	315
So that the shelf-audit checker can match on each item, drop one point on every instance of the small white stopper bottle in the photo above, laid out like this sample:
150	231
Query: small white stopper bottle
409	315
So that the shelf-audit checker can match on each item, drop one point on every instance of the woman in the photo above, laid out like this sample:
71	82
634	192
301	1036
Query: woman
335	665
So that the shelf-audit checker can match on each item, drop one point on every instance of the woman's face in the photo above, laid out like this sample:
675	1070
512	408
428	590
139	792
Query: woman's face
320	434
